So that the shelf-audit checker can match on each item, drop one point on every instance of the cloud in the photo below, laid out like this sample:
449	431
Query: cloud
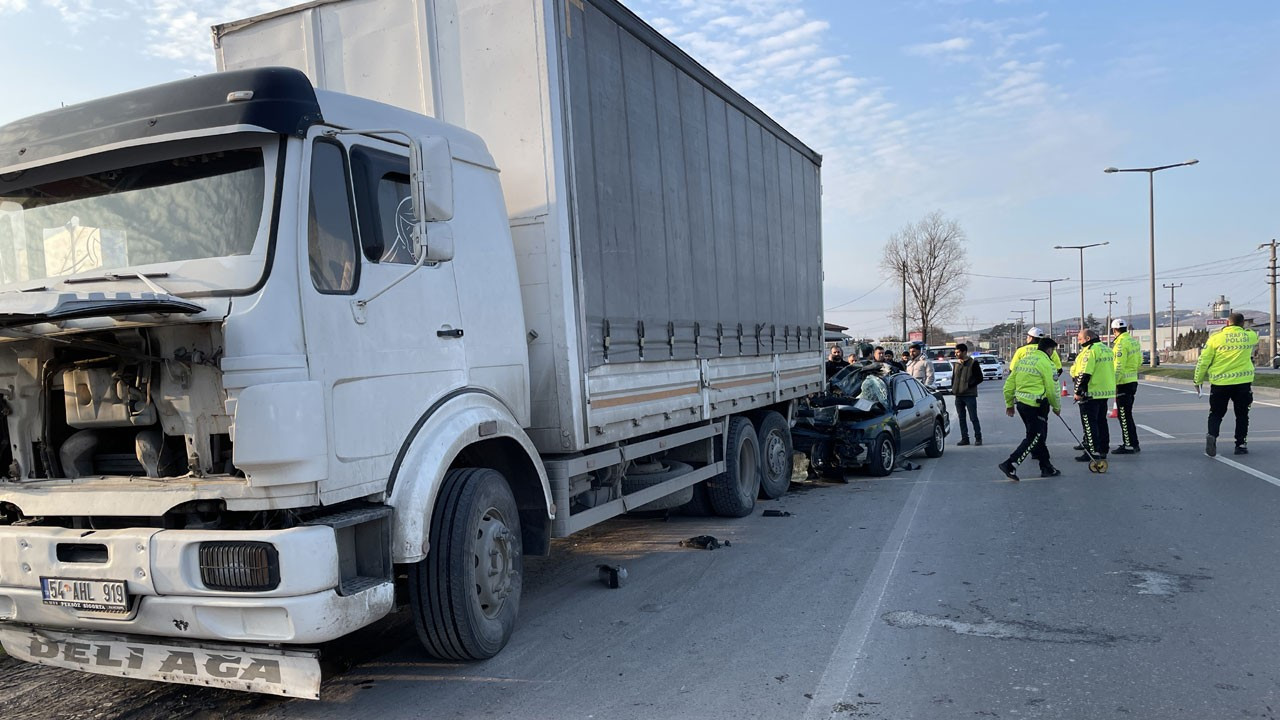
954	45
12	6
179	29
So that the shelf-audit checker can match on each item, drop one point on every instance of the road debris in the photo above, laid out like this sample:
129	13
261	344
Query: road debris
776	513
705	542
613	576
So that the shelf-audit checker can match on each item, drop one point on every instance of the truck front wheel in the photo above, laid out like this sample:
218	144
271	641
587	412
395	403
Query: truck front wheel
466	593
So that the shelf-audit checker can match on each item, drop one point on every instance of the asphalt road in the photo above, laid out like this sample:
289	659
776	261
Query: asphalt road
945	592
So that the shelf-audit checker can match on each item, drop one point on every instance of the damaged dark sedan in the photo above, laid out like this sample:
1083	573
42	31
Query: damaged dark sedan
870	416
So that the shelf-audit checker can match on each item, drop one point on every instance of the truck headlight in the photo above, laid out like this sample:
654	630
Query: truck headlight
239	566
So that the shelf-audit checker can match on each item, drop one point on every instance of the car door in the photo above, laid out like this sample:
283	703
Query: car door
909	420
380	366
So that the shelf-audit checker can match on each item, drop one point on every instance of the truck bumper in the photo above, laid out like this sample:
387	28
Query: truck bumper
292	673
167	595
303	619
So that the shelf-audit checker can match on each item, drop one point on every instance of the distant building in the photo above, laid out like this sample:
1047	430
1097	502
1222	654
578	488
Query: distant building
832	332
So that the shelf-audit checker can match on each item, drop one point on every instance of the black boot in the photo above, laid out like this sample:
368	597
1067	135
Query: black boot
977	440
963	441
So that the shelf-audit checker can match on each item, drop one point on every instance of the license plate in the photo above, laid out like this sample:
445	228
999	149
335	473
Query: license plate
86	594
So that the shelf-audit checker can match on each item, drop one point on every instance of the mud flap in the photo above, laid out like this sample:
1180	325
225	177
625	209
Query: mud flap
292	673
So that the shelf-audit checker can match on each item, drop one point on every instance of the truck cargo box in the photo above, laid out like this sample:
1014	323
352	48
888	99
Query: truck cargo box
667	230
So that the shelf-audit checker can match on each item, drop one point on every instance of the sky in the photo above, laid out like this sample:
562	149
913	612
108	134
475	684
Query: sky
1001	114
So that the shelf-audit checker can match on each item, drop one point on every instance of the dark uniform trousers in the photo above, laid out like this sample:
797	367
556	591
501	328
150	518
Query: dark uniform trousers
1036	422
1241	397
1124	409
1093	416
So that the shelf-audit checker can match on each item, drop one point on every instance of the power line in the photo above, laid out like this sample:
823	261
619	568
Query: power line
850	302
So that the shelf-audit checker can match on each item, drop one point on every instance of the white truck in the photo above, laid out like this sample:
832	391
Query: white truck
403	292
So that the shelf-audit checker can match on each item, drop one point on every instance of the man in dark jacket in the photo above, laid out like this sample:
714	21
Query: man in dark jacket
835	361
964	386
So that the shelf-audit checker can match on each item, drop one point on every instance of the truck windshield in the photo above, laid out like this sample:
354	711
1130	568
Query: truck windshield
194	206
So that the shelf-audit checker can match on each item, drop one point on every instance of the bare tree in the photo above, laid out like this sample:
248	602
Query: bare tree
930	255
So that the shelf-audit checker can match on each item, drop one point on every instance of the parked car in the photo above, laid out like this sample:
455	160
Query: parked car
942	376
992	367
870	416
1275	362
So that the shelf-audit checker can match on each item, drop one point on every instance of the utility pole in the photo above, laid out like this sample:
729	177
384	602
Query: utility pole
1109	302
1173	317
904	301
1275	347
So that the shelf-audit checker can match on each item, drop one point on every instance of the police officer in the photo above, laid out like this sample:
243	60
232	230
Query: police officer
1095	378
1034	335
1227	362
1128	358
1030	387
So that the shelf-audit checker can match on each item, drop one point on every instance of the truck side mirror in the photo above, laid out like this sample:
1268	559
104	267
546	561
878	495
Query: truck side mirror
431	181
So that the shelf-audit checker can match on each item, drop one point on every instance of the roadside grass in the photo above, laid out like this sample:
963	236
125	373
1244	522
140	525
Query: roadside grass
1259	380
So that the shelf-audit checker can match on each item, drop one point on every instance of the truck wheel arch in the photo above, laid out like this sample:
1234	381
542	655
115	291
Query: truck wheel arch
466	428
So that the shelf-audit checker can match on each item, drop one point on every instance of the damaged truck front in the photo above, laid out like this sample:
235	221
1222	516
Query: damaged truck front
162	440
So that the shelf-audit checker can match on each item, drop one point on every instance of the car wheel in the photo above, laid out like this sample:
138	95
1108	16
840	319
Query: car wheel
938	443
883	456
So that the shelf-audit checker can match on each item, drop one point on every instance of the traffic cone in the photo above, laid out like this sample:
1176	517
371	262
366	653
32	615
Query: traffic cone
1064	389
1114	412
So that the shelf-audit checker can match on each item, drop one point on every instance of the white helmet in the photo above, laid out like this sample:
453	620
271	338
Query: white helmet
1035	332
1119	324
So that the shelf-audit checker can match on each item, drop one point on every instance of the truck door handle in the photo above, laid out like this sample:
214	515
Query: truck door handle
450	333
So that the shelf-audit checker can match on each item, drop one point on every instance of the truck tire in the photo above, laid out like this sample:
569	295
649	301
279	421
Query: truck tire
699	505
466	593
883	456
775	456
733	492
641	480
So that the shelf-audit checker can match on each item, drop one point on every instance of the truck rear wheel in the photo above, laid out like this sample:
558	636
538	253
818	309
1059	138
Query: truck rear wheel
466	593
775	456
733	492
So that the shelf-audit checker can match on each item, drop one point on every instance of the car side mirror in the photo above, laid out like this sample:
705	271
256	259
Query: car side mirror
905	404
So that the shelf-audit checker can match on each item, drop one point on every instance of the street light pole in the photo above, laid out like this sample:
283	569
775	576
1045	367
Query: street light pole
1051	282
1081	248
1033	302
1151	197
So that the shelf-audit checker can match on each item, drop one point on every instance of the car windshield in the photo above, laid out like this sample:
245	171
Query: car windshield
942	367
155	208
860	383
987	360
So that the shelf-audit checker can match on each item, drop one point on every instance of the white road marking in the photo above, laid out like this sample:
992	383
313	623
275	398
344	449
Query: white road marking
1166	387
1193	392
843	663
1154	431
1245	468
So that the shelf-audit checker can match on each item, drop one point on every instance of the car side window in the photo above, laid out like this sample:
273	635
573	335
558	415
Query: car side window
331	231
901	389
918	392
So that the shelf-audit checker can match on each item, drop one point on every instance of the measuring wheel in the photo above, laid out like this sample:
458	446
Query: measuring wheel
1098	466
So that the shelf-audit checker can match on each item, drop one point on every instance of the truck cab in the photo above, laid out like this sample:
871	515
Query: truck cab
218	336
